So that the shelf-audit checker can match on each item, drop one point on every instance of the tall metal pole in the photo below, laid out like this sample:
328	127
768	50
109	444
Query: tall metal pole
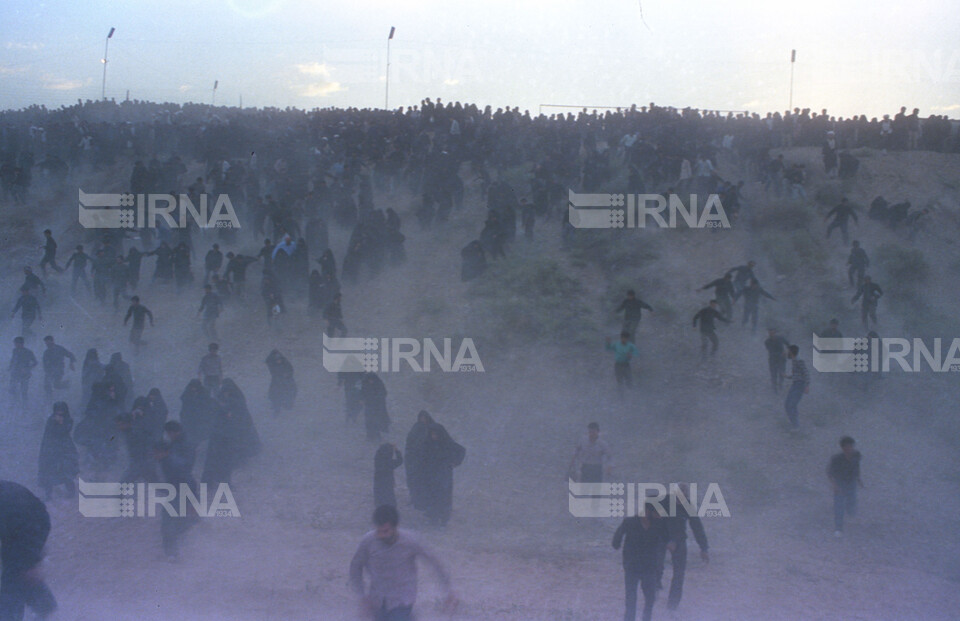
386	98
793	61
106	46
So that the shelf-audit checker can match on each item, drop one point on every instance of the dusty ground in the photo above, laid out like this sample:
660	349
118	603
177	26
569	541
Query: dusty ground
514	550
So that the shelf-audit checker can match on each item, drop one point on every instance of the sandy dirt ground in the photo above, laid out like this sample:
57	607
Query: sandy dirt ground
513	548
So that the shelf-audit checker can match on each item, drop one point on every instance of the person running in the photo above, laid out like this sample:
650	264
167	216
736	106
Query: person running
870	292
236	272
751	302
21	367
623	351
139	313
741	276
119	279
677	525
49	248
844	474
24	527
858	262
593	455
32	282
29	309
841	215
388	555
210	370
210	307
776	346
799	387
632	309
723	291
54	366
212	263
707	317
644	539
78	261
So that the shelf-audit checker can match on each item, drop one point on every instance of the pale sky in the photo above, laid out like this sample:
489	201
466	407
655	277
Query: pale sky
853	56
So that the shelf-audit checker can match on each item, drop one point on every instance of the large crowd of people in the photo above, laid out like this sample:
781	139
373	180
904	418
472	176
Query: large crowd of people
292	175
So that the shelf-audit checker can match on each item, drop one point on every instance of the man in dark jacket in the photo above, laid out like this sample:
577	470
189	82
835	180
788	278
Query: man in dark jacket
236	272
632	309
29	309
723	291
21	368
858	262
646	539
54	366
139	313
751	302
24	526
741	275
677	526
870	293
708	331
841	215
844	475
776	346
212	263
49	253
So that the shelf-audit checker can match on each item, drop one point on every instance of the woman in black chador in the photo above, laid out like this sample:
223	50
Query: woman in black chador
283	387
59	462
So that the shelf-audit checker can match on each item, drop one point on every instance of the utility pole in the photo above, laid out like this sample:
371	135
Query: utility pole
793	61
106	46
386	99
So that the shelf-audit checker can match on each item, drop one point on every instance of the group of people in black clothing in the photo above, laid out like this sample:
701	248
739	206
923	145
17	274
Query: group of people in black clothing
309	171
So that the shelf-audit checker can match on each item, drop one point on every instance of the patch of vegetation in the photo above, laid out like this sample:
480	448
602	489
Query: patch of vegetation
782	216
831	302
788	251
530	299
902	271
613	250
902	267
829	194
16	231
